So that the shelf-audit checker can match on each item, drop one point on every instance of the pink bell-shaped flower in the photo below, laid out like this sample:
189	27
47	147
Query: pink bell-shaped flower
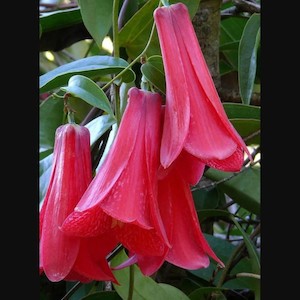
122	198
64	257
195	119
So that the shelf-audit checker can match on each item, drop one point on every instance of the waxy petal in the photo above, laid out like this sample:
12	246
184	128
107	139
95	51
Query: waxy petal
188	165
129	199
91	261
210	137
57	251
177	112
189	249
117	158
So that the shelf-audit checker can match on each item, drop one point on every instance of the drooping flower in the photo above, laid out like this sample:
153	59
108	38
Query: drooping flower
188	246
63	257
122	198
195	119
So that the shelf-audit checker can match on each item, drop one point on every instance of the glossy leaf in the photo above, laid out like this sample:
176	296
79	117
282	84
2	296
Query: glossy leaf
51	116
45	172
87	90
230	32
173	292
153	70
97	17
250	247
207	198
243	187
135	33
111	295
249	129
60	19
205	293
247	58
145	288
99	126
242	111
92	67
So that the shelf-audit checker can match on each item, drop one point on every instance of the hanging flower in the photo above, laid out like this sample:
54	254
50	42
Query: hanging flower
195	119
122	198
189	248
63	257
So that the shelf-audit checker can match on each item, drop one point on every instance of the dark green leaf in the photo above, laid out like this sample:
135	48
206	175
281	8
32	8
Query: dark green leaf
87	90
51	116
243	187
92	67
250	247
145	288
209	213
102	296
153	70
135	33
205	293
60	19
248	129
242	111
222	249
248	46
205	199
230	34
97	17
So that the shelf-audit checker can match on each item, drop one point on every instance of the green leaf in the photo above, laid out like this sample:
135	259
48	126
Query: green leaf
205	293
97	17
145	288
173	292
99	126
255	260
248	128
45	172
247	57
242	111
230	34
250	247
92	67
51	116
87	90
153	70
246	120
60	19
243	187
102	296
135	33
206	199
222	248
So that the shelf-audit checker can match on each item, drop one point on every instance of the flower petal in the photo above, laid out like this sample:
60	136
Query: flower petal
189	247
91	261
197	61
71	157
177	112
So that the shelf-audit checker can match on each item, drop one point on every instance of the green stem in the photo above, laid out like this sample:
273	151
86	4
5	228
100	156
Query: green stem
131	282
116	95
115	28
134	61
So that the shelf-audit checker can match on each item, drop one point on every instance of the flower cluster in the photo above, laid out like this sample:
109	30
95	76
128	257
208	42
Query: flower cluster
140	196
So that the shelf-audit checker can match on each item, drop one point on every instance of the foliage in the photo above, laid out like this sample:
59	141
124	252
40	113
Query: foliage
77	62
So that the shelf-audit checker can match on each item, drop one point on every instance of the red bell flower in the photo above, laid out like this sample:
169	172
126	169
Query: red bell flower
189	248
122	198
195	119
63	257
